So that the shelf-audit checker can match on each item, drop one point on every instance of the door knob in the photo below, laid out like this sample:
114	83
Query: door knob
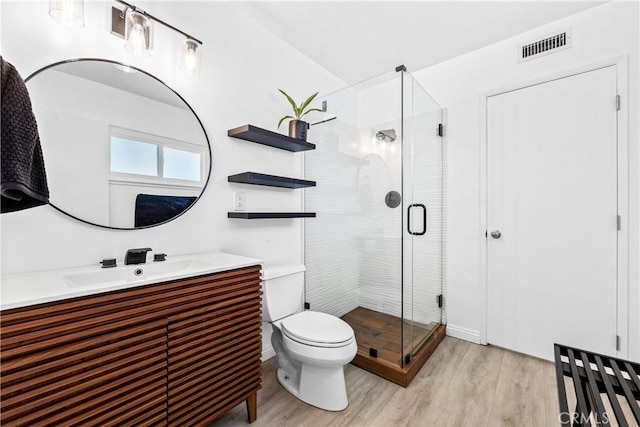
496	234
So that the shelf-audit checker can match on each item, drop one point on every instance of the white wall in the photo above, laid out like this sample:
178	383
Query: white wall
601	33
243	67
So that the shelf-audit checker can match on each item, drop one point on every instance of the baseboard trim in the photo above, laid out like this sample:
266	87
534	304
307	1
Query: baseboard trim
462	333
268	353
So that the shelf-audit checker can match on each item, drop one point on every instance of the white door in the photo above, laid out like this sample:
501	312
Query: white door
552	196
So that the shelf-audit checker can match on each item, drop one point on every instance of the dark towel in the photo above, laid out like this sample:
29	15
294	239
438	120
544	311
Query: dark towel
152	209
23	183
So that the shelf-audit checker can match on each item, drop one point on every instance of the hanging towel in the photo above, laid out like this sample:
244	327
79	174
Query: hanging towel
23	183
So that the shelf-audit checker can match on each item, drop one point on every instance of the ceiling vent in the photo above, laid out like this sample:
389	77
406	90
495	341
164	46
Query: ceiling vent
544	46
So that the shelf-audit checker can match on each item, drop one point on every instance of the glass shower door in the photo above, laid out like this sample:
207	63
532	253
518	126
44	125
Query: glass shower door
353	248
423	228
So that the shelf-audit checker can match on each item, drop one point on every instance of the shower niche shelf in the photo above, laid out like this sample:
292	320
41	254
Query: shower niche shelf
256	178
272	139
270	215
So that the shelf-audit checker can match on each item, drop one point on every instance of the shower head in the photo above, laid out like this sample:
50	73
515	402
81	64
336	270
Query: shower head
388	135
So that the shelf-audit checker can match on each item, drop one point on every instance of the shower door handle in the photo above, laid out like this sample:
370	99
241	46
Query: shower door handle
424	219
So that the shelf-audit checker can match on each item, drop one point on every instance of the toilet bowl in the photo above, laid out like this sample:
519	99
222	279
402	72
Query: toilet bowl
311	347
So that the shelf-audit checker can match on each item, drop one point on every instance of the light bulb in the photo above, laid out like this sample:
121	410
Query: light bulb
191	58
137	33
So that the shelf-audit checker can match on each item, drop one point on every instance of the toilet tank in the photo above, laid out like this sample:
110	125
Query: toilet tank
282	289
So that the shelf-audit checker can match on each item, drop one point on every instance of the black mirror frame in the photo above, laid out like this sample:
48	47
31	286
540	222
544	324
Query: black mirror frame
66	61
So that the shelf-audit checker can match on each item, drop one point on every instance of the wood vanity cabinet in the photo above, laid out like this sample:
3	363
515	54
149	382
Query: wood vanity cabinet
176	353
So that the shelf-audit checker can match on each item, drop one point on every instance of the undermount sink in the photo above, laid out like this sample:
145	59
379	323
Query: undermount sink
134	273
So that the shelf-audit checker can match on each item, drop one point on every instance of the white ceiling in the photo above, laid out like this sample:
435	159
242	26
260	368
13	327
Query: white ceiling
356	40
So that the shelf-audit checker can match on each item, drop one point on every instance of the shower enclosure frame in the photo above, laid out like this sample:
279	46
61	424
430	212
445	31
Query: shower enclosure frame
414	348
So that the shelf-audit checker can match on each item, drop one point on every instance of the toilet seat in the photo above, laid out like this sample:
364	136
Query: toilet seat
317	329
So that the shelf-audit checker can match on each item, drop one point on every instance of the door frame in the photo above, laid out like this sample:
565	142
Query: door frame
623	300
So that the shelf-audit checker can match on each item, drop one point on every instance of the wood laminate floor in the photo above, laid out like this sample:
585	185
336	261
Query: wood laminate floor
462	384
383	333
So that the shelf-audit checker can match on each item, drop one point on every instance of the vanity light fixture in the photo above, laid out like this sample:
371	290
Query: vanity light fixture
190	57
137	33
68	12
134	25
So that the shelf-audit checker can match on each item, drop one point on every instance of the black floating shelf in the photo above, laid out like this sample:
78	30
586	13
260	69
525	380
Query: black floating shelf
256	178
270	215
272	139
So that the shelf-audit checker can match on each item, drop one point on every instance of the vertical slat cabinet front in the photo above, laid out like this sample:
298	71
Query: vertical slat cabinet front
214	350
61	365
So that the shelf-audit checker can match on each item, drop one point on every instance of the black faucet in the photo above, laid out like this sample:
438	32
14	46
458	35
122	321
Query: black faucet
136	256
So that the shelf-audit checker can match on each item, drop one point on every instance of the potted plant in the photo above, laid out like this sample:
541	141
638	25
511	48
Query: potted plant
297	127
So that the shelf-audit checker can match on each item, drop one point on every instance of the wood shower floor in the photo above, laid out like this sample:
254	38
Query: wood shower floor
383	332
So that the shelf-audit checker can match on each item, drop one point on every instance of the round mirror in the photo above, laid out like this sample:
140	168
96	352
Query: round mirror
121	149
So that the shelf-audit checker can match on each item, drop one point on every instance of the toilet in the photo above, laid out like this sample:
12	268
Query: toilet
311	347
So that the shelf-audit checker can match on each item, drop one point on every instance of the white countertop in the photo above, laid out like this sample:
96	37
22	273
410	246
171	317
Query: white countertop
26	289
